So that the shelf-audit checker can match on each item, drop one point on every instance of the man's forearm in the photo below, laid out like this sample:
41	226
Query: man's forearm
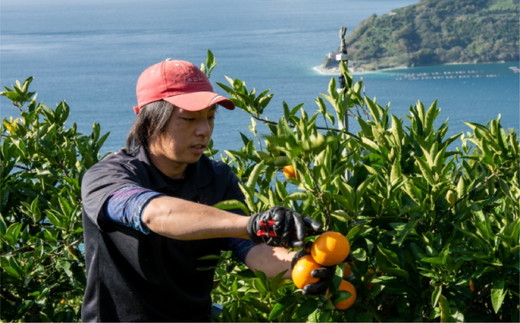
270	260
184	220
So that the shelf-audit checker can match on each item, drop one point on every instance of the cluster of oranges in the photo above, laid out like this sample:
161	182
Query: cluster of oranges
330	248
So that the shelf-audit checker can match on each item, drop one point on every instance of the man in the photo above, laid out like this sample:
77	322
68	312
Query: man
149	225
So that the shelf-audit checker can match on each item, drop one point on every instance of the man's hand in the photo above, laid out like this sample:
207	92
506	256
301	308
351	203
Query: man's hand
325	275
281	227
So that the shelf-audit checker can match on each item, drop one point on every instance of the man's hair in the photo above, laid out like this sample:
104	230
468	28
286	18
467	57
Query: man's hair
149	124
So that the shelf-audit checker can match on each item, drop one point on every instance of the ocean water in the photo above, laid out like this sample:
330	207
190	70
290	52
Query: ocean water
90	54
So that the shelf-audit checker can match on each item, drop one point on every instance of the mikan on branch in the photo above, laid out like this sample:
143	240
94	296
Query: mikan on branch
345	285
301	272
289	171
347	271
330	248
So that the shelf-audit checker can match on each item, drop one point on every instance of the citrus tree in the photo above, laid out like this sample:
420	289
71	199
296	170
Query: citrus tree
41	164
433	219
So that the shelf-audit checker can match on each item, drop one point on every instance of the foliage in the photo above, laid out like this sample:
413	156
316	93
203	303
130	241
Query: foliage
434	227
437	32
424	217
41	164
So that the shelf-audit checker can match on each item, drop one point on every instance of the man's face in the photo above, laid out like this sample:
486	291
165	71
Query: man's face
184	140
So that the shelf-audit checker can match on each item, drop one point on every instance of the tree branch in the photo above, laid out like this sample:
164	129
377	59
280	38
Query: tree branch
317	127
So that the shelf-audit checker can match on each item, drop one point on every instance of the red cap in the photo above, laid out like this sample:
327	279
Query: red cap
180	83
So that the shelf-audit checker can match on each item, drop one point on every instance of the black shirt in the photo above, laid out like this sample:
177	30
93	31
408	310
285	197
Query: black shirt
132	276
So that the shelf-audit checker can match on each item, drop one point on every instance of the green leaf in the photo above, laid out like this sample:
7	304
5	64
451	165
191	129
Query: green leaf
434	260
341	215
3	226
45	318
397	130
13	232
276	281
285	302
55	218
369	144
279	161
498	293
353	232
298	196
395	173
260	285
253	177
13	267
481	222
408	229
209	257
340	296
278	308
436	294
394	271
388	254
431	115
426	170
445	309
232	205
307	308
359	254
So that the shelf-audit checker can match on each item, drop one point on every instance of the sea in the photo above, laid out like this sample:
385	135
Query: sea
90	54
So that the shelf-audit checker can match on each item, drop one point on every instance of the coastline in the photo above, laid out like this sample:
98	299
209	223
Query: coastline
355	71
361	71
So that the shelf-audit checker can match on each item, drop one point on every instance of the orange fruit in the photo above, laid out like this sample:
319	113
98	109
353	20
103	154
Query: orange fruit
347	271
289	171
330	248
345	285
301	272
471	286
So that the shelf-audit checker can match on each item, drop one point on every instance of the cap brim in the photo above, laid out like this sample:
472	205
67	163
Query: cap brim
197	101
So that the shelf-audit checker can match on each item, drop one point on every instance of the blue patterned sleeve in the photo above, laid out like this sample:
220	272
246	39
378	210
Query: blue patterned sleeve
125	206
240	247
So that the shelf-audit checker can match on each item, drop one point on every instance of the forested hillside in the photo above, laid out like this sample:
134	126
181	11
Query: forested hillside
436	32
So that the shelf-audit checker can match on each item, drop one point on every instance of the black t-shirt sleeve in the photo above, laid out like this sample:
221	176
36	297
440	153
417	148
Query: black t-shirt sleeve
100	181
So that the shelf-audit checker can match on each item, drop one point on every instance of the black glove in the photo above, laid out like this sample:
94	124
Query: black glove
325	275
280	226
